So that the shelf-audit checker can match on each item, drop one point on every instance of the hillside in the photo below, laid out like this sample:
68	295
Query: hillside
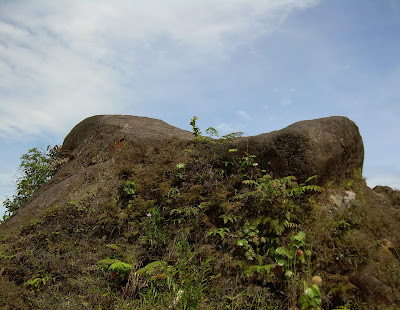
144	215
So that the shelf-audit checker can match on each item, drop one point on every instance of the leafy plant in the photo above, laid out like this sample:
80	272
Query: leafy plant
180	170
154	234
130	187
195	129
212	132
38	282
153	268
289	257
248	236
187	211
218	231
115	266
36	168
230	218
311	297
173	192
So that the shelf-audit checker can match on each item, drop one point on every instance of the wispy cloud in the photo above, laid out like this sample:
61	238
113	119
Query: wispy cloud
243	114
226	128
61	61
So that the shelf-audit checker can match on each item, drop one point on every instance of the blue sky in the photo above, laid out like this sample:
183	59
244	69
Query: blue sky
244	65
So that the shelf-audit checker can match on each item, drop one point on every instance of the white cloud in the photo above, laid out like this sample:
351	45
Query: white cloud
225	128
61	61
244	115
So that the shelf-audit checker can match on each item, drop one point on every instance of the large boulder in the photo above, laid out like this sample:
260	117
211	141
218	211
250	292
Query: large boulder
99	135
330	147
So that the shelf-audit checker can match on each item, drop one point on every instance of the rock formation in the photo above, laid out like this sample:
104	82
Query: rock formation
134	191
331	148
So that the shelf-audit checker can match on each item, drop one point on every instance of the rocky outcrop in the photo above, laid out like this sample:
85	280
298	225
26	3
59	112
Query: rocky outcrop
389	195
100	135
331	148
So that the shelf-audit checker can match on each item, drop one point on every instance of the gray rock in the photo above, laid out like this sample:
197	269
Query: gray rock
387	193
370	287
100	133
343	201
331	148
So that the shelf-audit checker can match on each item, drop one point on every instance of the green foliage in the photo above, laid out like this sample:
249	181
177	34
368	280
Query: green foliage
249	237
231	136
35	170
180	172
222	232
115	266
185	213
311	297
230	218
294	253
153	268
153	230
267	187
38	282
246	162
180	283
345	307
180	166
195	128
130	187
263	270
212	132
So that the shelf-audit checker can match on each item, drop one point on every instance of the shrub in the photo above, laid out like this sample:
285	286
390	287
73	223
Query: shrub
36	169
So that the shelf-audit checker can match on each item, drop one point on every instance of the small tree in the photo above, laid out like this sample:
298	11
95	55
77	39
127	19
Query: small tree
36	169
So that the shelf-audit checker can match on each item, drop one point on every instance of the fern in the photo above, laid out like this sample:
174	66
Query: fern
218	231
230	218
115	266
120	267
258	269
153	268
38	282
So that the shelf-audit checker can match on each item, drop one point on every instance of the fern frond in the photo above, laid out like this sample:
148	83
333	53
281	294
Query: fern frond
153	268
